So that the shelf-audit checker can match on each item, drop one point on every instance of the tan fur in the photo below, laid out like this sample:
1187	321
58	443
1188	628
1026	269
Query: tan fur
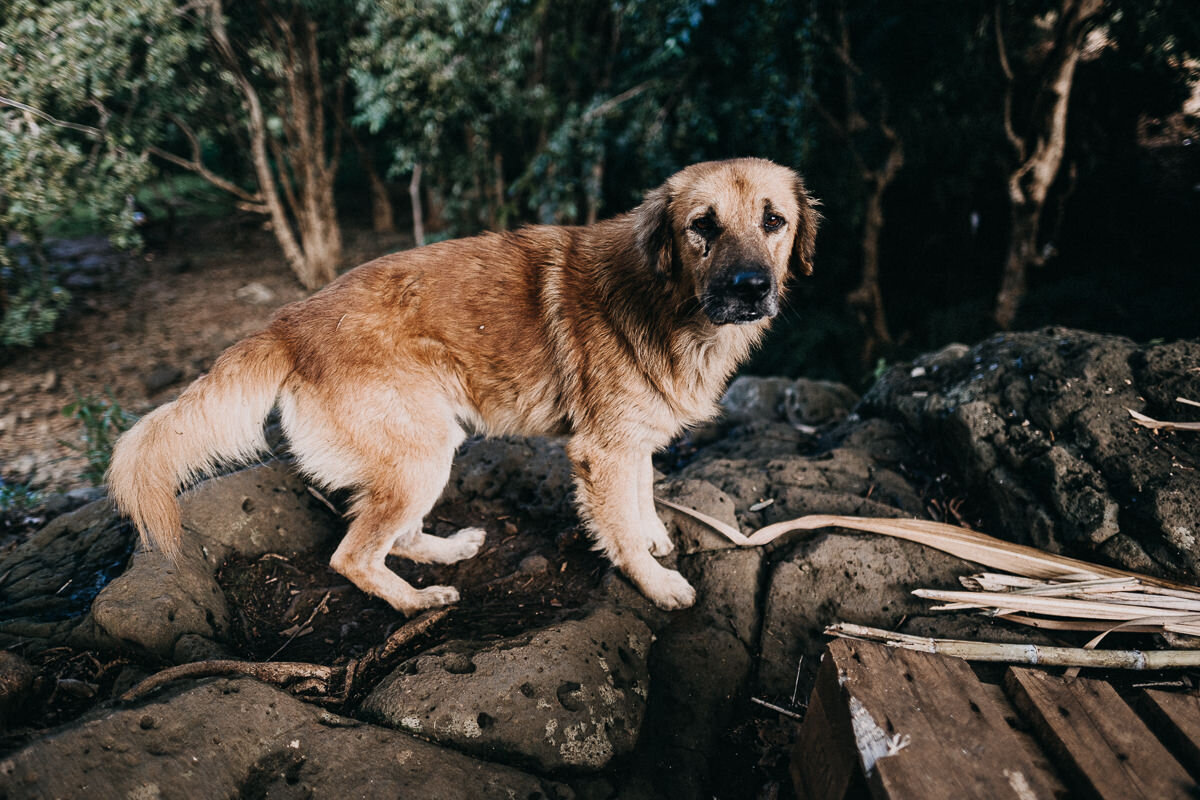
604	332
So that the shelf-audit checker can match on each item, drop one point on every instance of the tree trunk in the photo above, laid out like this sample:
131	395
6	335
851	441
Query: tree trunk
315	255
867	299
1038	165
383	216
418	215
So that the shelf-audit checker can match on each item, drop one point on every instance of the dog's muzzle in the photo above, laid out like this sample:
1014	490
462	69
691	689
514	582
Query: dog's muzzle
740	294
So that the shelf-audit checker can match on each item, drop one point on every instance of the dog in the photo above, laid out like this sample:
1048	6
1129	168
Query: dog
620	334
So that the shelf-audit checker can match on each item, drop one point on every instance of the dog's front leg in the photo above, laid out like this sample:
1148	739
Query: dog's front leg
652	527
608	483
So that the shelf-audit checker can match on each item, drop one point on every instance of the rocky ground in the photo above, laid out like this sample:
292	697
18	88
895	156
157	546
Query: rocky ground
553	678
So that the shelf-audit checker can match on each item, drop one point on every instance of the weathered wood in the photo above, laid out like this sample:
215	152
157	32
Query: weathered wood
923	726
1097	739
824	763
1176	719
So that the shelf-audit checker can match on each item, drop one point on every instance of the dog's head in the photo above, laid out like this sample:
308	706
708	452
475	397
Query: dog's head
729	233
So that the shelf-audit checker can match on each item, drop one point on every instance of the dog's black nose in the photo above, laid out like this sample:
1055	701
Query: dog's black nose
749	285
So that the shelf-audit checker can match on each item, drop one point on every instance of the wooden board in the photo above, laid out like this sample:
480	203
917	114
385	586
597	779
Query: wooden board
1175	718
921	726
1097	738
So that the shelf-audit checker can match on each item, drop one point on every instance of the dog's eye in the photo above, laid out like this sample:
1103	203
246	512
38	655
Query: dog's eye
705	226
772	222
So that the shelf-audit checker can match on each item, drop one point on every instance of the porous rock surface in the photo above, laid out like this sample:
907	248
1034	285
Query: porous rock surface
568	696
240	738
617	698
1037	428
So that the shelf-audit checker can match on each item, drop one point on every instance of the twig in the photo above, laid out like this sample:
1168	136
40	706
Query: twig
313	491
280	674
775	708
1023	653
95	133
323	604
405	634
330	685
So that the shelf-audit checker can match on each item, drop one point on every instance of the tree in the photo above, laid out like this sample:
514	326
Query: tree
1038	135
850	124
267	79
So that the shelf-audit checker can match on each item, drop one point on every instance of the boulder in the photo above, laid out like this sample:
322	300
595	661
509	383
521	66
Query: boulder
841	577
241	738
1036	427
569	696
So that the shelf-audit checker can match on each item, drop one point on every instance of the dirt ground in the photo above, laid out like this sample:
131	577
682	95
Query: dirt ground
140	329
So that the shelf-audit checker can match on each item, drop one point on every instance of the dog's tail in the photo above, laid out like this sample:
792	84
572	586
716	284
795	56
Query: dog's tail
217	419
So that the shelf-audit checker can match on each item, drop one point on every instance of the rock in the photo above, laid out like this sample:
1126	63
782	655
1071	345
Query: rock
835	577
60	503
704	674
570	696
155	602
801	402
241	738
51	579
753	399
1036	427
690	535
16	680
530	474
160	377
255	293
809	402
727	584
261	509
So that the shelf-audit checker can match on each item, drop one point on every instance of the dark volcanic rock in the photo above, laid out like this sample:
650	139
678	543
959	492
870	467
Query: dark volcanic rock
1037	427
598	687
839	577
241	738
50	579
568	696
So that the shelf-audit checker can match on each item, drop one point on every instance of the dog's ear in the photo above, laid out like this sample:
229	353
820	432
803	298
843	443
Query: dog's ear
805	242
654	236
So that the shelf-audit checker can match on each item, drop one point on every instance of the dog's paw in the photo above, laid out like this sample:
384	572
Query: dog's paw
670	591
466	543
435	596
657	540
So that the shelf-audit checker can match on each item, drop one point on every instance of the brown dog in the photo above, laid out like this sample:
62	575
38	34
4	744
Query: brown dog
620	334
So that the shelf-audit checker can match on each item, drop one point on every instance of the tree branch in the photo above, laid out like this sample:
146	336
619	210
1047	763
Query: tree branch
1010	133
88	130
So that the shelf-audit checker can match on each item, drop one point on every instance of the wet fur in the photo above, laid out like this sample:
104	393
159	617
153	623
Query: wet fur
602	332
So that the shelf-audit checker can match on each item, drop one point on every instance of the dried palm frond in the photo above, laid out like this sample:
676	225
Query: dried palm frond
1036	588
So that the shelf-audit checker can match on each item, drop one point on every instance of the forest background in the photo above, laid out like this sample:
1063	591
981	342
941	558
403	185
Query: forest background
982	166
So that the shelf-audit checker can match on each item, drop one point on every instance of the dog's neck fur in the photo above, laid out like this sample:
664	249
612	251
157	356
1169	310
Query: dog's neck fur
692	358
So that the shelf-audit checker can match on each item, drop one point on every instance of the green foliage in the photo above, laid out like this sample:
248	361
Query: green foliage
31	309
102	420
16	498
558	111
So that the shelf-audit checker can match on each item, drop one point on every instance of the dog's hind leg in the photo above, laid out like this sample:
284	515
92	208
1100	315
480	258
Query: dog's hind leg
403	461
426	549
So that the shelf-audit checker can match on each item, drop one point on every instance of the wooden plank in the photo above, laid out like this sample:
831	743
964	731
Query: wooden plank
1098	740
923	726
824	766
1175	718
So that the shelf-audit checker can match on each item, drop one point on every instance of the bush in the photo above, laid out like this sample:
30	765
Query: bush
103	421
